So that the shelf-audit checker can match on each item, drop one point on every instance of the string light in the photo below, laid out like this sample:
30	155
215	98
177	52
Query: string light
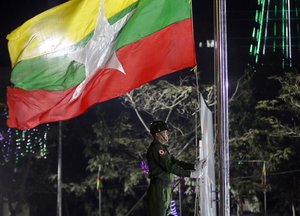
16	144
275	31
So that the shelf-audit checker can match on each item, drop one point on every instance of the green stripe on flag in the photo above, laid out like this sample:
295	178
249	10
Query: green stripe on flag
152	16
122	13
84	41
51	74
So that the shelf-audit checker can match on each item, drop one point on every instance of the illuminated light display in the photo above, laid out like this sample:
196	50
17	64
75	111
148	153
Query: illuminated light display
16	144
276	30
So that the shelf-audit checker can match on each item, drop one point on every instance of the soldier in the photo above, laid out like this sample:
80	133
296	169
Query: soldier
162	167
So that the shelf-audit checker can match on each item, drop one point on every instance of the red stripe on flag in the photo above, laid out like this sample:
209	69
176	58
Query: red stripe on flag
169	50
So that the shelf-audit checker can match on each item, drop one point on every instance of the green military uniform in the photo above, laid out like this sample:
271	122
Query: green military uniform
162	166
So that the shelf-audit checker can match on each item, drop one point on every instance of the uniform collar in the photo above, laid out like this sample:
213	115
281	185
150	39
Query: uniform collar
155	141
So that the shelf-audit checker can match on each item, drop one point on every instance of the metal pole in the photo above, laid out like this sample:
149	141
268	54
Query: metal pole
221	70
99	170
59	199
265	201
265	186
100	202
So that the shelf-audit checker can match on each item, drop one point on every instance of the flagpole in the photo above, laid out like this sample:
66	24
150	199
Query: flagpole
221	74
59	173
264	174
99	189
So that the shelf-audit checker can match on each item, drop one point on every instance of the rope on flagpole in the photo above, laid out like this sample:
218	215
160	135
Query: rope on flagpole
197	152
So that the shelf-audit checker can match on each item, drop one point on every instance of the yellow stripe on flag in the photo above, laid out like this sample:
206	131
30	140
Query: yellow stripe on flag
113	7
59	28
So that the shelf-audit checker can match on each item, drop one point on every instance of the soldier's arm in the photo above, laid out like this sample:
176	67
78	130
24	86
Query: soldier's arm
182	164
166	163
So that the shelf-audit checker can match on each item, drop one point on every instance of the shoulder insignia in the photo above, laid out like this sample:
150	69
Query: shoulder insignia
161	152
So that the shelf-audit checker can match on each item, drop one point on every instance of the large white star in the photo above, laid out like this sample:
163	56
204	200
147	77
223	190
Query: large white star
99	51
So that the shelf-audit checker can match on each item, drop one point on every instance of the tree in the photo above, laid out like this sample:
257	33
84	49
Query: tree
282	113
263	116
120	140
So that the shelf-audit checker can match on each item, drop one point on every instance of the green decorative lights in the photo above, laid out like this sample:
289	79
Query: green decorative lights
276	30
16	144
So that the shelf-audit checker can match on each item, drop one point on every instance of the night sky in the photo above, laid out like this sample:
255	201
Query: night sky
240	23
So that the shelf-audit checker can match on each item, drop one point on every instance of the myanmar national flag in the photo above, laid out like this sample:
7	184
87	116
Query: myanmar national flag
87	51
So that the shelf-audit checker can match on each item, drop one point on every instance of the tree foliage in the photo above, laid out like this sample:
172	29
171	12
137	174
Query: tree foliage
264	127
120	141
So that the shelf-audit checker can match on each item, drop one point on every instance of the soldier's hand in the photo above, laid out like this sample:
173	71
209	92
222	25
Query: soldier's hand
196	174
200	164
198	169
